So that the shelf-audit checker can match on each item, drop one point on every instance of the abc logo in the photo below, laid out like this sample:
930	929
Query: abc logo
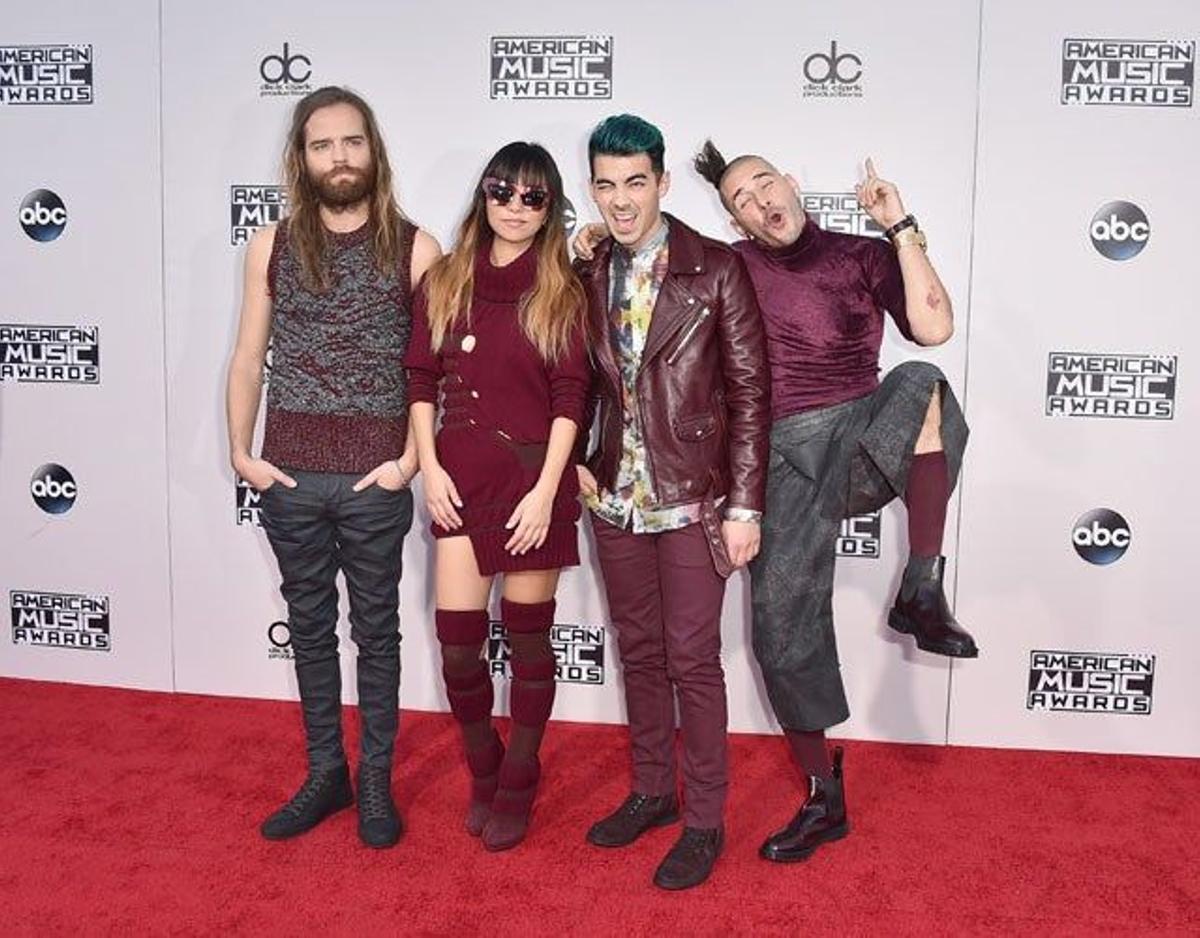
276	69
53	489
568	216
1119	230
1101	536
278	634
43	215
821	69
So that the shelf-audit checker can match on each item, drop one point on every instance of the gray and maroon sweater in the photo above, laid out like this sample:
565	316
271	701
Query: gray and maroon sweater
337	399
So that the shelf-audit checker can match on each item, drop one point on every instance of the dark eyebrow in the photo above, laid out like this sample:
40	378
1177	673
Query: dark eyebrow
318	140
757	176
634	178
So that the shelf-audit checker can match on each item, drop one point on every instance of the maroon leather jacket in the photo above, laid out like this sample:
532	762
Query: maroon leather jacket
703	388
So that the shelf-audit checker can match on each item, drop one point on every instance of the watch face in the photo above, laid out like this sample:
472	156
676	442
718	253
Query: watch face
910	237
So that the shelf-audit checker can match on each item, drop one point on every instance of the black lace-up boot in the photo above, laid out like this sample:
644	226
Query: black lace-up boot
378	821
322	794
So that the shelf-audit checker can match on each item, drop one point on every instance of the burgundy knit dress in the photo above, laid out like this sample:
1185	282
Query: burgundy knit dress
499	399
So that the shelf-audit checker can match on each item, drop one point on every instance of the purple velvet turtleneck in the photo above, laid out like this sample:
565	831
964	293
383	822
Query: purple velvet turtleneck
823	299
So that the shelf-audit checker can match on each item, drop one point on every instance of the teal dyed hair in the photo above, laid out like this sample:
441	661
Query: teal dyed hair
626	135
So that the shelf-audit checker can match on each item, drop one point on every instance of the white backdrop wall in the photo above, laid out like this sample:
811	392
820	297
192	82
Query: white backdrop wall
1041	287
103	273
957	102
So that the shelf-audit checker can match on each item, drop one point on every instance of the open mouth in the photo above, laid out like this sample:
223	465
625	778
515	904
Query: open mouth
776	218
624	223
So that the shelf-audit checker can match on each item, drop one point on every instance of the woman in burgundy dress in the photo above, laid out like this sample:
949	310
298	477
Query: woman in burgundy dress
499	325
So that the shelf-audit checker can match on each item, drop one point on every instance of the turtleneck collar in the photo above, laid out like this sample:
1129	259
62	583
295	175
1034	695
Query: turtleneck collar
504	284
796	251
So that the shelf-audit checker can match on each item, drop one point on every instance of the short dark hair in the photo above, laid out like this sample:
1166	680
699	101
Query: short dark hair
626	135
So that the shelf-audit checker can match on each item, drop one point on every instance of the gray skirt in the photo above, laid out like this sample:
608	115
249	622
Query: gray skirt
826	465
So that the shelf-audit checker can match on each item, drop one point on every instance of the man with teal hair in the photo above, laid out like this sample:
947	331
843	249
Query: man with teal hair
675	485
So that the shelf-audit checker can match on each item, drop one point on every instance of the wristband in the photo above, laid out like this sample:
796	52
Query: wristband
908	221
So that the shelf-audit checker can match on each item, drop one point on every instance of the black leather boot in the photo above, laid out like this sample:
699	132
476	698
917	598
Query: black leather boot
821	819
691	860
636	815
378	820
322	794
921	610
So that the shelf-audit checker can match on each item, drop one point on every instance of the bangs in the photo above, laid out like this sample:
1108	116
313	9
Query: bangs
525	164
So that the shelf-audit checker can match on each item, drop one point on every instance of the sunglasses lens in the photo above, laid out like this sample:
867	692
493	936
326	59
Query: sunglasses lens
534	198
498	192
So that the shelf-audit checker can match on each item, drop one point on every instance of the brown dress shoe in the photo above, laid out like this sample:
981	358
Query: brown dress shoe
691	860
636	815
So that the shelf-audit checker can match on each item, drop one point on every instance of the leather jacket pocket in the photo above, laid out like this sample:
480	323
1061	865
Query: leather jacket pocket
696	428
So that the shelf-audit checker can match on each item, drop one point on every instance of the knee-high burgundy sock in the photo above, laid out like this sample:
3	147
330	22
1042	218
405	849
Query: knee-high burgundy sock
810	752
927	495
533	668
468	683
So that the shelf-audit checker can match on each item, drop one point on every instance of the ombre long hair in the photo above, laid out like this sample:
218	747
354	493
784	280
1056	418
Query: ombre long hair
306	232
555	306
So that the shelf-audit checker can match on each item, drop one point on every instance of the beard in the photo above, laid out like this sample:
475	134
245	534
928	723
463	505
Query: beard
343	187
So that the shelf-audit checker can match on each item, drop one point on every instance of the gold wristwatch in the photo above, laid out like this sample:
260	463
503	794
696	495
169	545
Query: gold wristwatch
910	236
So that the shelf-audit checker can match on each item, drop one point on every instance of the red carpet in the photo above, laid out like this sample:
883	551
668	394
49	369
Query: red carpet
137	813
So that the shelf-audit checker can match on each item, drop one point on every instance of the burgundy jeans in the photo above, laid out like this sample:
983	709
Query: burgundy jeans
664	597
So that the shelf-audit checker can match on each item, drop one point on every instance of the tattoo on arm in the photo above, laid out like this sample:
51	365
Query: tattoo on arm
933	301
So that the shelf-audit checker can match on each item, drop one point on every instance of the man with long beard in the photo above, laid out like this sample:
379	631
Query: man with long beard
842	443
329	288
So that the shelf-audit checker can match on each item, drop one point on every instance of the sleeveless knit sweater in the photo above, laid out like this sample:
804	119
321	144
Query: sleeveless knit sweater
337	399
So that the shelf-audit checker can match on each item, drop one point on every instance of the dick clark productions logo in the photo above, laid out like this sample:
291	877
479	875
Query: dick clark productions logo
285	73
832	74
1101	536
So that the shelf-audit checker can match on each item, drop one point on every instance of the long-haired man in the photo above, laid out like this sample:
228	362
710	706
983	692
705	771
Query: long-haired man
329	289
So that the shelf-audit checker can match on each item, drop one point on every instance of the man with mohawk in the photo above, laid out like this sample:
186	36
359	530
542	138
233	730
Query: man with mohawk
842	443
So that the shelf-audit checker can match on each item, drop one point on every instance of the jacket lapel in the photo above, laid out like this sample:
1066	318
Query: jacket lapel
598	289
676	305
